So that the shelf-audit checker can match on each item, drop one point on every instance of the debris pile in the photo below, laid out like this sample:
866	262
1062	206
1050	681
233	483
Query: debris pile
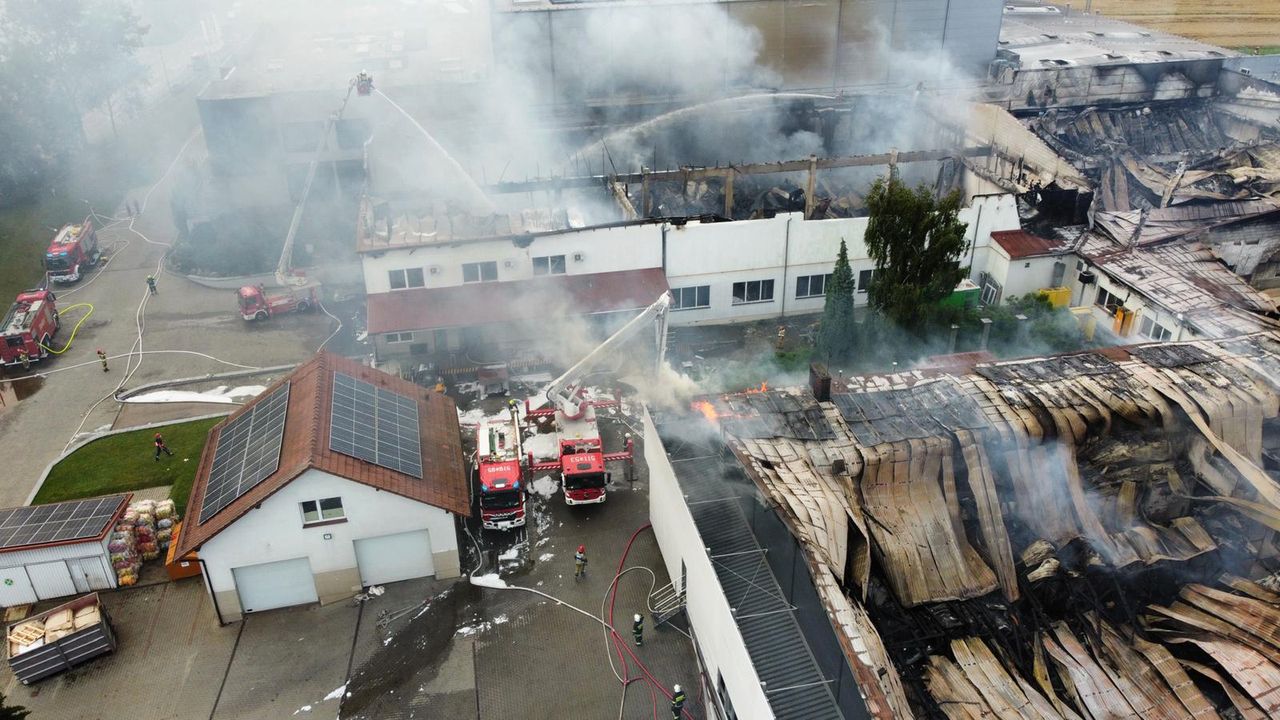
1156	155
1068	537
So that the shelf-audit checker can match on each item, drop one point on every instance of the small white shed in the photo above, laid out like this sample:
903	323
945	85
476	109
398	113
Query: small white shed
50	551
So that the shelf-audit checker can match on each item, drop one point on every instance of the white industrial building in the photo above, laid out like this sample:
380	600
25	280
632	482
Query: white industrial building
337	477
55	550
428	293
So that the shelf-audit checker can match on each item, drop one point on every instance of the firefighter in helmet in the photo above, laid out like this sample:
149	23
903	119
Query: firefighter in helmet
677	702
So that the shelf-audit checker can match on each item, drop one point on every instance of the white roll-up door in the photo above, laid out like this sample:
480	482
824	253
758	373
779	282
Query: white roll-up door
390	558
51	580
275	585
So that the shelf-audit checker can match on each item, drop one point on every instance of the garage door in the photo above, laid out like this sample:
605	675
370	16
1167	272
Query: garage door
275	585
389	558
51	580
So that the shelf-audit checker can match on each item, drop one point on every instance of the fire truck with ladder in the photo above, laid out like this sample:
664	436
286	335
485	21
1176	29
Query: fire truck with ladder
581	461
30	324
73	251
497	462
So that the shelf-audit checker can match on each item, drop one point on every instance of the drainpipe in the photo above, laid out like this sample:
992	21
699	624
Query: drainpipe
786	257
665	226
208	581
951	344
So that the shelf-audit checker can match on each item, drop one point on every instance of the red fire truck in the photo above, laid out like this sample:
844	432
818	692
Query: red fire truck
582	457
73	251
256	304
28	327
502	494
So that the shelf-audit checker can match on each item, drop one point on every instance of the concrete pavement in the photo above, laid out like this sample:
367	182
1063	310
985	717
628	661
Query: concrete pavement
182	320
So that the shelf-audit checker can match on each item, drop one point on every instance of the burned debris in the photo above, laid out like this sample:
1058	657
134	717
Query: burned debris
1160	154
1080	536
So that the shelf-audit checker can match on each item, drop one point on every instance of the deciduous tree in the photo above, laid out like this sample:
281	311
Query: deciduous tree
917	241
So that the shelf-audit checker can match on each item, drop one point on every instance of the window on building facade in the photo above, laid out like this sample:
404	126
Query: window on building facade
318	511
864	280
691	297
752	291
549	265
1154	330
808	286
1107	301
400	337
406	278
479	272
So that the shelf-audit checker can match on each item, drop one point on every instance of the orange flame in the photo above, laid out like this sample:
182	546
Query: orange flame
707	409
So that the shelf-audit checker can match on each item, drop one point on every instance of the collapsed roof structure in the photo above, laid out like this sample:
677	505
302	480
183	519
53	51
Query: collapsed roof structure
1081	536
1161	154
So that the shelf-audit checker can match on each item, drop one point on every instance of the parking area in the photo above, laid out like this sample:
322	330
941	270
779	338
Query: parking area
422	649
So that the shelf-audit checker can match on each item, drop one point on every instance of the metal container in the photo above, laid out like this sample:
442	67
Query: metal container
68	651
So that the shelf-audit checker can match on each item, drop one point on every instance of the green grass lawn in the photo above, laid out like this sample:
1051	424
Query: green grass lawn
122	463
1263	50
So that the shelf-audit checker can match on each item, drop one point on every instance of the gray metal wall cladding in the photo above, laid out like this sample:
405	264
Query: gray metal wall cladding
814	44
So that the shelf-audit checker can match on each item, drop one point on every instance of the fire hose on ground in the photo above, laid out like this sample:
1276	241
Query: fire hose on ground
74	330
619	643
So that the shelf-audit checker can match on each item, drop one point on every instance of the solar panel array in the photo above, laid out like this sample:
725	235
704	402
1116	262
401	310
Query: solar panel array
248	451
61	522
375	425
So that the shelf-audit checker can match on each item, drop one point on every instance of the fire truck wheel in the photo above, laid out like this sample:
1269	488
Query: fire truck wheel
261	315
44	345
304	306
57	319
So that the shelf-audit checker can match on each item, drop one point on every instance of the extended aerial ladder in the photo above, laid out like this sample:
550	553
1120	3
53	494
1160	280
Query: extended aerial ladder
581	450
362	84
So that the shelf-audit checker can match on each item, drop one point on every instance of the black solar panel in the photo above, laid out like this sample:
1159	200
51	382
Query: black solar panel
248	451
72	520
375	425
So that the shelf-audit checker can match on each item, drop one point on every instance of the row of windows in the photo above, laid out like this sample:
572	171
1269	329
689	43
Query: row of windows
753	291
406	278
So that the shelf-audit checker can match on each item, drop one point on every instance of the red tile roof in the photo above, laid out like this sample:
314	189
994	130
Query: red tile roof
515	301
306	445
1022	244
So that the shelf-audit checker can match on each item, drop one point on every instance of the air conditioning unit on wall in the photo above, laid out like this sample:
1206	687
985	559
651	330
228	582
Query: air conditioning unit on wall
578	257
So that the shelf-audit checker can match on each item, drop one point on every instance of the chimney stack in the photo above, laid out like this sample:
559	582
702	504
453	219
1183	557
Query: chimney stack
986	333
820	382
951	344
1024	328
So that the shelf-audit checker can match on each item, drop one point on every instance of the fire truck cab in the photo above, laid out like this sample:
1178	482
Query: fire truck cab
582	475
73	251
257	304
502	494
30	324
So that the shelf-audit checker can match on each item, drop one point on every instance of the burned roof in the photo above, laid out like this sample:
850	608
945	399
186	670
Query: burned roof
1018	533
305	444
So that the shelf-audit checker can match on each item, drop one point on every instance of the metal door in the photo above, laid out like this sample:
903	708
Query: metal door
15	587
275	585
51	580
90	573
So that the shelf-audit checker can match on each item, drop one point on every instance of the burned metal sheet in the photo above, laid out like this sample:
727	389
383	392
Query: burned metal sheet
883	416
775	413
1063	367
1171	356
